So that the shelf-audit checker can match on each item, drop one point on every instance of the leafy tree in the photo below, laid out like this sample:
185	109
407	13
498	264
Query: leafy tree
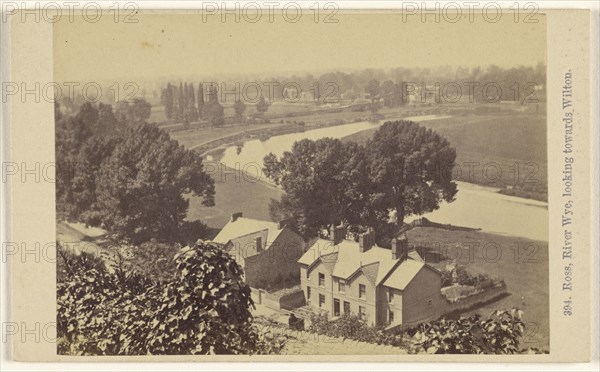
262	106
404	168
168	101
107	121
130	181
140	186
410	168
200	100
373	89
240	108
325	182
180	103
387	91
213	111
191	113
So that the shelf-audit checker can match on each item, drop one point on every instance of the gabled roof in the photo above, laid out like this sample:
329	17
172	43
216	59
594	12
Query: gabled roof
349	259
376	264
243	227
404	274
370	272
245	246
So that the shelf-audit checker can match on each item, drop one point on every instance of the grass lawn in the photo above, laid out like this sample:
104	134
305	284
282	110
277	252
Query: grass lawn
526	274
237	194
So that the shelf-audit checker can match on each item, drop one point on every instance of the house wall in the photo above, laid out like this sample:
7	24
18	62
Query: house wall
385	306
331	292
422	299
278	262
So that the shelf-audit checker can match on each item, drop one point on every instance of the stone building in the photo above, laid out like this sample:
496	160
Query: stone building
382	286
267	251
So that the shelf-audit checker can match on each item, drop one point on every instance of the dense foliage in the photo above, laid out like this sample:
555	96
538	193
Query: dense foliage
349	326
325	182
404	169
180	103
500	333
129	179
204	308
459	275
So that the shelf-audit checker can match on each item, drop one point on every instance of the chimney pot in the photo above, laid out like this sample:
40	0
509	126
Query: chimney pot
235	216
338	234
366	240
399	247
258	241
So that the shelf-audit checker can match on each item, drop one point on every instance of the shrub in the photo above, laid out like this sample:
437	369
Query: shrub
203	309
351	327
498	334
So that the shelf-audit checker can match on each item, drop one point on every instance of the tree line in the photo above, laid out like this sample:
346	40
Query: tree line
181	105
386	86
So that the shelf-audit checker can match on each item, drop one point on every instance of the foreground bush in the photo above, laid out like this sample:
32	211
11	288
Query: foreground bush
500	333
203	309
351	327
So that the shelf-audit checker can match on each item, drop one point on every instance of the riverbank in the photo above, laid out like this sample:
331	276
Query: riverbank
208	141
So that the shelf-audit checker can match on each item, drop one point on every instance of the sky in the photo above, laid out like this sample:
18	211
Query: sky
163	45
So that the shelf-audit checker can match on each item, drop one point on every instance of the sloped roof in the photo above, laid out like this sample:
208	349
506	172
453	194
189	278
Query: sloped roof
245	246
371	271
242	227
350	259
404	274
345	259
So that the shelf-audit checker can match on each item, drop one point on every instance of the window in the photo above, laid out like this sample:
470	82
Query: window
346	307
390	295
321	300
307	274
341	286
308	294
362	313
321	280
391	317
362	291
336	307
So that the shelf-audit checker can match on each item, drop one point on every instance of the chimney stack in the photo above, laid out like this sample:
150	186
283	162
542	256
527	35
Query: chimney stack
366	240
399	247
338	233
235	216
283	223
258	241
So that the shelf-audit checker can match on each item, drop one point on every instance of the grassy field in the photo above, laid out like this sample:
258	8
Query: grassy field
234	193
513	143
525	273
193	138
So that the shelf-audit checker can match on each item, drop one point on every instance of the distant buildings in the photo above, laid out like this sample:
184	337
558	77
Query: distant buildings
382	286
267	251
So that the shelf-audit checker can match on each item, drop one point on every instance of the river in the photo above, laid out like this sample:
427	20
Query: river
475	206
